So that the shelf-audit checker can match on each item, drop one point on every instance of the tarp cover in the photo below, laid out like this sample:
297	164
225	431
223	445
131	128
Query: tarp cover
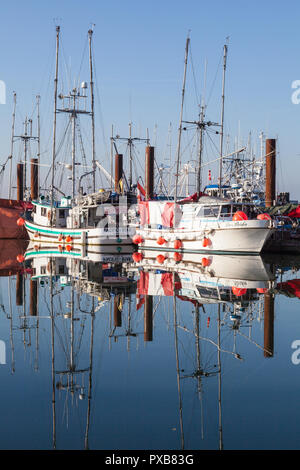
158	213
291	287
295	213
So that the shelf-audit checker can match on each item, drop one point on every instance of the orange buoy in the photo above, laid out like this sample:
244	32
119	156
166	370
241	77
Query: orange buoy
20	221
205	262
239	215
208	321
60	237
206	242
160	259
160	241
238	291
177	244
137	256
20	258
36	247
264	217
137	239
68	248
177	257
60	247
68	238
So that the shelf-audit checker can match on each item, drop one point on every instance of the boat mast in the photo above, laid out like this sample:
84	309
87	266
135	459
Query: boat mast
12	146
222	118
73	142
54	120
92	109
181	114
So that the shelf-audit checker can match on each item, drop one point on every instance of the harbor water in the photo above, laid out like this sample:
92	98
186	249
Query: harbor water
132	359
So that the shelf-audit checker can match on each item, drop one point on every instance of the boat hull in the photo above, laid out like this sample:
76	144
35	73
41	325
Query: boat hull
227	237
101	240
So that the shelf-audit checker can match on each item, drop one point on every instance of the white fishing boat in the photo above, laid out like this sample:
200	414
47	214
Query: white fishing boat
242	280
210	224
200	223
93	222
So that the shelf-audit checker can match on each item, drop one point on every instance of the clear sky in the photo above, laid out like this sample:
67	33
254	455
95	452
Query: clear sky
139	58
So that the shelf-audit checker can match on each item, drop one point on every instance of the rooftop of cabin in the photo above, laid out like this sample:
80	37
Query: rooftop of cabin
64	203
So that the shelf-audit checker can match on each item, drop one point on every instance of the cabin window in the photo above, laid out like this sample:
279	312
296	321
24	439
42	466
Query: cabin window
61	269
226	210
211	211
62	214
43	270
44	211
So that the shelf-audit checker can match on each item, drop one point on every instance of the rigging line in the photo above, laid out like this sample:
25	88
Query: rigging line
99	104
194	77
82	58
59	147
214	81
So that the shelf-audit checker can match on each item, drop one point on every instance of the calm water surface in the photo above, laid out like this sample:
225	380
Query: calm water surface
103	356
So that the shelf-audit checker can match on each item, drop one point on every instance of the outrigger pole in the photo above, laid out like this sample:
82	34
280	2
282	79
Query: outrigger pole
90	32
54	120
222	118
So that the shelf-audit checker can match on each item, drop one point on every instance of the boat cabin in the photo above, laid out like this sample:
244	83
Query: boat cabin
42	212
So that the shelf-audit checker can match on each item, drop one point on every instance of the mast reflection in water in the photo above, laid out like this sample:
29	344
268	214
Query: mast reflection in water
106	353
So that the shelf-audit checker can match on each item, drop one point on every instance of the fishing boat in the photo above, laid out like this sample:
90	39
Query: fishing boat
210	224
200	223
93	218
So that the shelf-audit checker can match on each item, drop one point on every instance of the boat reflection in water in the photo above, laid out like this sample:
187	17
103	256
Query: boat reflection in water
237	286
208	299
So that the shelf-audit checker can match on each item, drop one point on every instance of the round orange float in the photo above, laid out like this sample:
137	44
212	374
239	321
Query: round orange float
239	215
205	262
160	241
238	291
264	217
137	257
206	242
177	244
137	239
177	257
160	259
20	221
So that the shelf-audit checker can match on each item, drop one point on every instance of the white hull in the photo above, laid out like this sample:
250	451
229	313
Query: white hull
229	267
40	250
247	236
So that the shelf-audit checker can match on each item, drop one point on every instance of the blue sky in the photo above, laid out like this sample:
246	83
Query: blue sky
139	57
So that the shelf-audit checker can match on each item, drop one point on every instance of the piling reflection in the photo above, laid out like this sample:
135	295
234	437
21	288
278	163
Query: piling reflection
206	306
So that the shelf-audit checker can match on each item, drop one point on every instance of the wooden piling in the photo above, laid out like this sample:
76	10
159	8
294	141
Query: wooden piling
19	289
268	324
118	171
33	297
34	188
148	318
20	181
270	196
